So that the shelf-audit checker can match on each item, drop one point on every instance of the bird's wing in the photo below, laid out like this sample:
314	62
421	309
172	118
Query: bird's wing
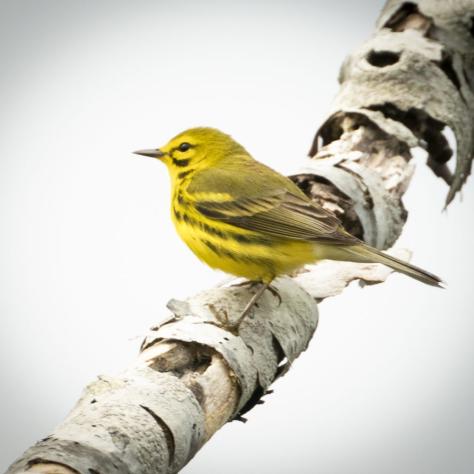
280	211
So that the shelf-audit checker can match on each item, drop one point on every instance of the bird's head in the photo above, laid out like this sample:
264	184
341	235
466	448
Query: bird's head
195	149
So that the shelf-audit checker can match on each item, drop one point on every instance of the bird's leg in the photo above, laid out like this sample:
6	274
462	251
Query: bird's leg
252	301
270	288
275	293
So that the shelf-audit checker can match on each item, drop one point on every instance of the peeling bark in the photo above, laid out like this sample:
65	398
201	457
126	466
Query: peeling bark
401	89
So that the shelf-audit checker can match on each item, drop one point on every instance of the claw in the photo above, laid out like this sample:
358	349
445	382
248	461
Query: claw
249	283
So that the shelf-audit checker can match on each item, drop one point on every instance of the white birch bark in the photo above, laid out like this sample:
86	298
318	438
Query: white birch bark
399	90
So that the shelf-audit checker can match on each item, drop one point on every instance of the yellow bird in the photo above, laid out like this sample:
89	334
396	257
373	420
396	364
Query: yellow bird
244	218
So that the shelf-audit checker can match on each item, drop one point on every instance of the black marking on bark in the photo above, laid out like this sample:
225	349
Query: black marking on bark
240	418
198	391
446	66
255	399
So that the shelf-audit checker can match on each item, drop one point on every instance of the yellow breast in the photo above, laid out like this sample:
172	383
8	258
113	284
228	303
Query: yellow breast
237	251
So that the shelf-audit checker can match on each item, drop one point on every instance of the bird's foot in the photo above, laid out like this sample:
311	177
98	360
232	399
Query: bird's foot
250	283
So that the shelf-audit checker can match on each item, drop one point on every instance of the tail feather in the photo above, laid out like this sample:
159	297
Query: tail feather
365	253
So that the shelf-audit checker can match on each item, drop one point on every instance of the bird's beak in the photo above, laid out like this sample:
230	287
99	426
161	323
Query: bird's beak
156	153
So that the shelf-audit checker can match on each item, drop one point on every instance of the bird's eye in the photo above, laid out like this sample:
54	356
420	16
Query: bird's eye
184	146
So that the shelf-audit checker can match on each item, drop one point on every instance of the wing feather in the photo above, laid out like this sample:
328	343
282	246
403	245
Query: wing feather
262	200
280	214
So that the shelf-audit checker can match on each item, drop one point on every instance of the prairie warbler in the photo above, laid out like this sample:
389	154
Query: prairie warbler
244	218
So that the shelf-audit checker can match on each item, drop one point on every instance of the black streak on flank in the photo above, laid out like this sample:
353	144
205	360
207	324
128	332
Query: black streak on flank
213	231
177	214
221	252
249	239
211	247
181	199
185	217
236	237
183	174
181	163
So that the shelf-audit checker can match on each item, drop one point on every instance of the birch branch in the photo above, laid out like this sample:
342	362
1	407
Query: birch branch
402	89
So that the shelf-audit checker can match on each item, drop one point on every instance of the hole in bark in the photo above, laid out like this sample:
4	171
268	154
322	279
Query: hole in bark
446	66
330	131
323	192
93	401
93	471
424	127
169	438
185	357
437	145
471	28
382	58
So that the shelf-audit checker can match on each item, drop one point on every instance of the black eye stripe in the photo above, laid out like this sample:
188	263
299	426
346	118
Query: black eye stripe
183	147
180	162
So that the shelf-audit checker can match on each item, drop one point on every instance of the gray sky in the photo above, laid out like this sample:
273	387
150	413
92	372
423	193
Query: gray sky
89	257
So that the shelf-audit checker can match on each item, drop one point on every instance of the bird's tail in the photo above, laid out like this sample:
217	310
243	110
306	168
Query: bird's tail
365	254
